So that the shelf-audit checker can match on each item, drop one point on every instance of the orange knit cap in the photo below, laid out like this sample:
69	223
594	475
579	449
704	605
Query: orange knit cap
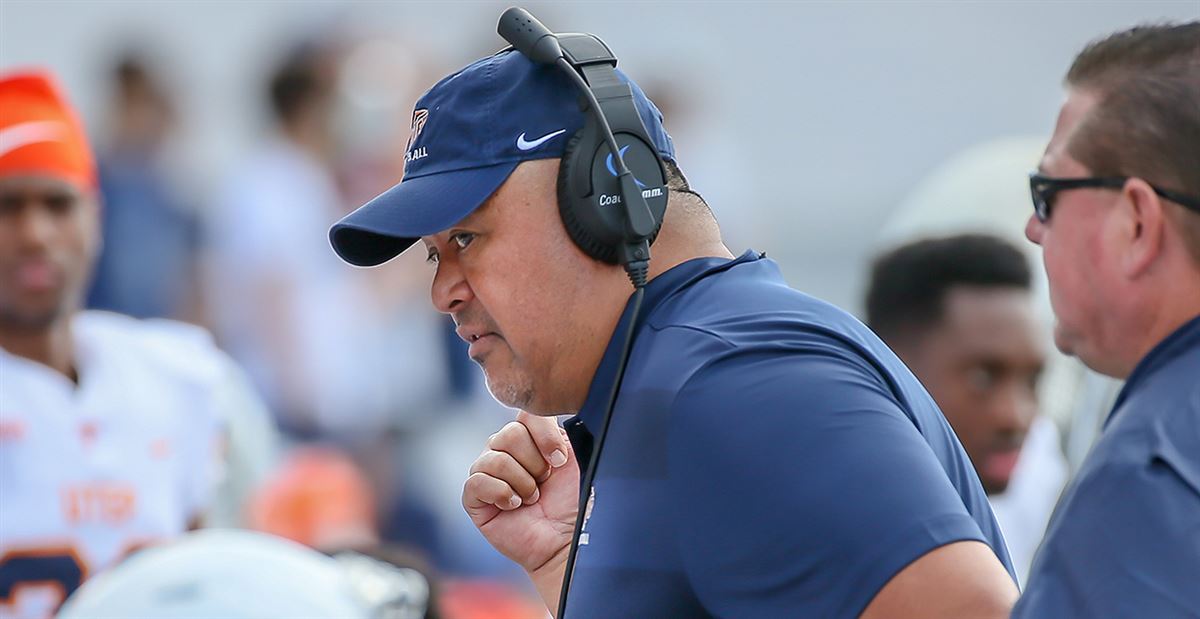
40	132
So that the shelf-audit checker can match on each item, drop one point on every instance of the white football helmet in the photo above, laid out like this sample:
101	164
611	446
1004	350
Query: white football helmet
227	573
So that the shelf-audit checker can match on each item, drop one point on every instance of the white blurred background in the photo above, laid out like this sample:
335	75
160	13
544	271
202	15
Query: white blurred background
806	122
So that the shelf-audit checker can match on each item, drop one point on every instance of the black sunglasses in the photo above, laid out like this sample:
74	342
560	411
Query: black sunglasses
1043	189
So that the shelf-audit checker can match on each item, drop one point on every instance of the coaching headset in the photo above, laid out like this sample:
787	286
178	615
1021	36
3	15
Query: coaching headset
612	190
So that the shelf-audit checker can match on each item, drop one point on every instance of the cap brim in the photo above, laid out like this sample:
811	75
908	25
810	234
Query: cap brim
389	224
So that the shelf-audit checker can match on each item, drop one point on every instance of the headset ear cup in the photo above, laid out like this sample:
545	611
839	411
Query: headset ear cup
569	206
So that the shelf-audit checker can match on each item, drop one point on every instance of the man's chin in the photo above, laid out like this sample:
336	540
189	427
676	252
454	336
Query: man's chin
509	393
1089	354
30	318
1063	340
994	486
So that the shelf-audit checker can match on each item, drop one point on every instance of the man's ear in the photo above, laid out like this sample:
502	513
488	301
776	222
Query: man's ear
1142	228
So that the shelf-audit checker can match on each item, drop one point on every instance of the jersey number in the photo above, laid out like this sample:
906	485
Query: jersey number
57	569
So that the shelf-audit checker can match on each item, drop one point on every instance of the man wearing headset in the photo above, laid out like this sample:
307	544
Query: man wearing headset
1117	214
767	455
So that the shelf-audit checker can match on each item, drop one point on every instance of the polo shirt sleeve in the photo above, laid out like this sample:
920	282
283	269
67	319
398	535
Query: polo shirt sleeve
801	487
1126	544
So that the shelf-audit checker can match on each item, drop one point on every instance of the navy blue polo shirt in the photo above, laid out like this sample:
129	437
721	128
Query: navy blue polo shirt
1124	540
768	457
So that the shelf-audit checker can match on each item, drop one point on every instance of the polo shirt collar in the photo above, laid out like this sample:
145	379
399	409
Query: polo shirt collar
1183	339
658	290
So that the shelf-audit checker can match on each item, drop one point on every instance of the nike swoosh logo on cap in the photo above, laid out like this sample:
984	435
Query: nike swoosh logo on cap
527	145
24	134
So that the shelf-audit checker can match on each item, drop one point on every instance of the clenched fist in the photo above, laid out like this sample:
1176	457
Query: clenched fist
523	494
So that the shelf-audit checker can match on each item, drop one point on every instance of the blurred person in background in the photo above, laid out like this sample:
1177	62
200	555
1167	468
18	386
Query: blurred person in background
278	296
960	314
984	189
670	534
111	428
1117	214
148	267
267	283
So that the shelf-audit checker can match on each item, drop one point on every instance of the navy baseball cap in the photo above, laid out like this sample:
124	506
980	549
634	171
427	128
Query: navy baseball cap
469	132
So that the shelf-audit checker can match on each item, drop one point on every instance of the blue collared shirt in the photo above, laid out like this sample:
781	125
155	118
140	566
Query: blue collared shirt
768	456
1124	540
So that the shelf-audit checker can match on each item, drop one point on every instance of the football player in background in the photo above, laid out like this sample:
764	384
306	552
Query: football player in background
110	427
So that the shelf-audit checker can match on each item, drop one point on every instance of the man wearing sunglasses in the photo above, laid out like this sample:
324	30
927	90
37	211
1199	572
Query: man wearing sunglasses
1117	214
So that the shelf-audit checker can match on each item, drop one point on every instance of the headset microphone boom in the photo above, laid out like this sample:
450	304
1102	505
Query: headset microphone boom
595	177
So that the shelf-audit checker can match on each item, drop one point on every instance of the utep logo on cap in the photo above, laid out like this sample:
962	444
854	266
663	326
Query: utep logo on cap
471	129
418	123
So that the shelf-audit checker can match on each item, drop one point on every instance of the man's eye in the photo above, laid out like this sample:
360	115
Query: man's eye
1034	379
60	204
432	257
10	205
462	240
981	378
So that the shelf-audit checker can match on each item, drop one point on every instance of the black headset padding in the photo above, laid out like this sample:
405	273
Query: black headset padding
569	205
580	181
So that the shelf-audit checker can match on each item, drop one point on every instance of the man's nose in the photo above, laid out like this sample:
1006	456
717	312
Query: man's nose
1034	228
35	227
450	290
1014	409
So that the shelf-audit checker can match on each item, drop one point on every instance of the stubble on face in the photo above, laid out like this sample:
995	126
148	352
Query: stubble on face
507	384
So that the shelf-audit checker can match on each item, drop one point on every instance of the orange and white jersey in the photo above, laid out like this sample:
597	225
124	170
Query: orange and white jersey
90	472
